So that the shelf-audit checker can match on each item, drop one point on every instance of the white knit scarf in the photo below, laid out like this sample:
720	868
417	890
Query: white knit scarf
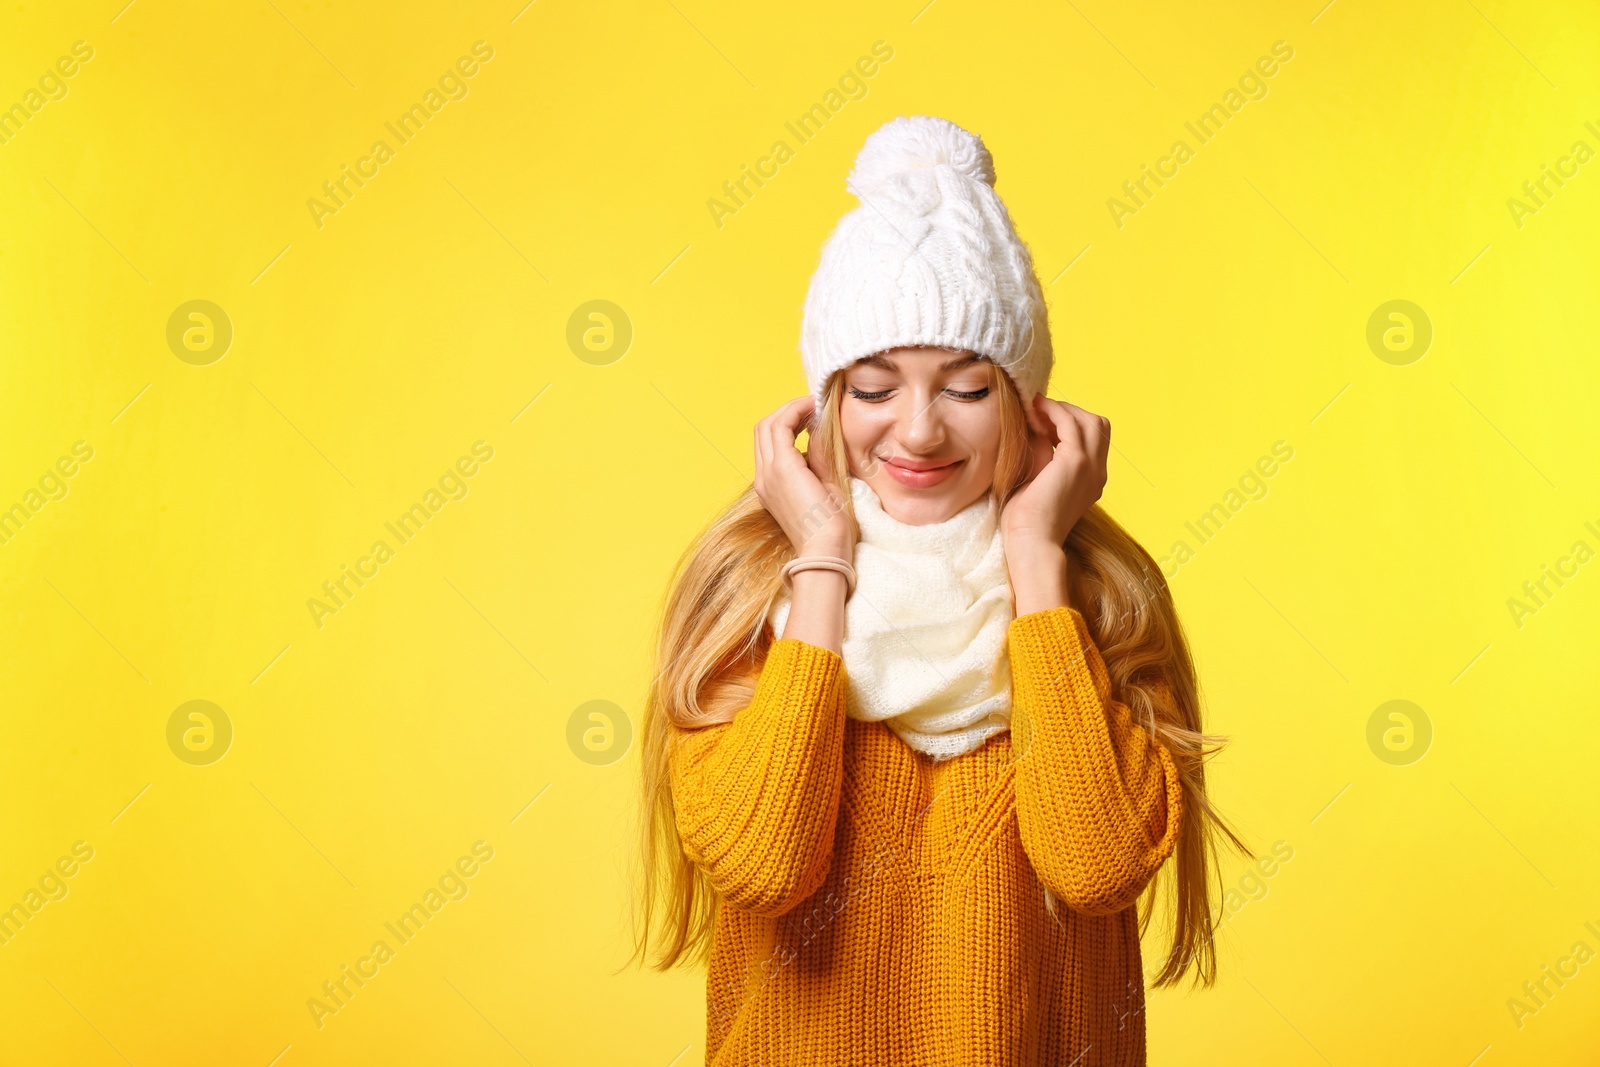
925	630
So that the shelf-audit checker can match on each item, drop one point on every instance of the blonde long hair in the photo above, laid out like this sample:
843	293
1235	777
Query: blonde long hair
712	640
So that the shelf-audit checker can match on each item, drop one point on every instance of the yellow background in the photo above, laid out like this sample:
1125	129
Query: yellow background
370	353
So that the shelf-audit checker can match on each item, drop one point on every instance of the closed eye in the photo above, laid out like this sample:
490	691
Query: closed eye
874	397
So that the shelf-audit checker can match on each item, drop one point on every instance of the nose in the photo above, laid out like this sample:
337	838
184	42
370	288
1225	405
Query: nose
920	422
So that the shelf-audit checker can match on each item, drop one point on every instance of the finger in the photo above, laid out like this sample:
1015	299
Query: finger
782	428
792	418
1088	417
765	432
794	414
761	444
823	473
1096	434
1065	422
1101	440
813	413
1040	455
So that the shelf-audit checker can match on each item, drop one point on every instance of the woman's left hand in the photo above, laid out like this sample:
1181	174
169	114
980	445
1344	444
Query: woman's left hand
1067	475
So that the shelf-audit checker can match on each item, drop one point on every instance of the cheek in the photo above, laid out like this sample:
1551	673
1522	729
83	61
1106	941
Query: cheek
863	425
978	428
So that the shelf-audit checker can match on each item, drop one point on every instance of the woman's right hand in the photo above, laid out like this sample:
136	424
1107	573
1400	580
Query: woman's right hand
795	489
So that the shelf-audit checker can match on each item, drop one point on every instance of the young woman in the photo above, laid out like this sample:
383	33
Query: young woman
924	725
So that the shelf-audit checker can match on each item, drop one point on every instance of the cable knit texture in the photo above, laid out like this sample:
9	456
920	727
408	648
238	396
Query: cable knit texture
883	908
925	630
931	257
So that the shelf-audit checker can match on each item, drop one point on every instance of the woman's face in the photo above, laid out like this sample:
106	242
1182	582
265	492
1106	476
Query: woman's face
922	428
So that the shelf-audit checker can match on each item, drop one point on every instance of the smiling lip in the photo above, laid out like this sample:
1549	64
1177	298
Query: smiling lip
920	474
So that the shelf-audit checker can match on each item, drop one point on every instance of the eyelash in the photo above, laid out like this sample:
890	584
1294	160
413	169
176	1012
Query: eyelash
978	394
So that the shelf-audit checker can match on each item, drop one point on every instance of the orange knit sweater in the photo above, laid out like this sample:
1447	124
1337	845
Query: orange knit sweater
879	907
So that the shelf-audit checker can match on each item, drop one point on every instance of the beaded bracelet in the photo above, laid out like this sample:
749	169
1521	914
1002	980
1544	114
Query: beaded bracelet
832	563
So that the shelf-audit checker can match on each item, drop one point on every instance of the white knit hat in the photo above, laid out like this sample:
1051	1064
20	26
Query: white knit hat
929	258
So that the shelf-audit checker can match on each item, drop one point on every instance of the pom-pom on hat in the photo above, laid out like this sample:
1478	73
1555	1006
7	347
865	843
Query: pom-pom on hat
931	257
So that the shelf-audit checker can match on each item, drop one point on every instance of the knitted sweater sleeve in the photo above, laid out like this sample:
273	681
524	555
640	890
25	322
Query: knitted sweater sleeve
757	799
1098	798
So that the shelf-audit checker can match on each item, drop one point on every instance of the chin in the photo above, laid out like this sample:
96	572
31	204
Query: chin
923	507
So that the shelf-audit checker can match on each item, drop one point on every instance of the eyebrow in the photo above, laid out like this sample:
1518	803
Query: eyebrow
954	364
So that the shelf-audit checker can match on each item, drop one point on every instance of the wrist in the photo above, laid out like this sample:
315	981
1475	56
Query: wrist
1038	572
827	547
1033	552
810	563
819	578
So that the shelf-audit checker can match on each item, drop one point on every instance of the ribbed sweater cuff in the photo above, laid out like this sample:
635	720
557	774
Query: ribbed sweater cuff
802	672
1058	635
